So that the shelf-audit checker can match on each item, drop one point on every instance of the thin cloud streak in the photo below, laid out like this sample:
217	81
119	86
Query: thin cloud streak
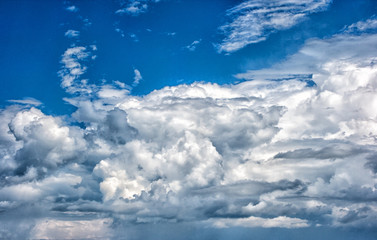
253	21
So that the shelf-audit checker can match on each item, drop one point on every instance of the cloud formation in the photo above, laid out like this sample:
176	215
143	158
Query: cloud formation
292	146
72	8
254	20
135	8
27	101
73	68
192	47
137	78
72	33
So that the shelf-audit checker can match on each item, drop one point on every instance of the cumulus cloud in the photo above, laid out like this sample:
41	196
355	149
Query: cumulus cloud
292	146
254	20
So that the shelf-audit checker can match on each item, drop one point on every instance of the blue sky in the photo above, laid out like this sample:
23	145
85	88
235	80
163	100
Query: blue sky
154	42
145	119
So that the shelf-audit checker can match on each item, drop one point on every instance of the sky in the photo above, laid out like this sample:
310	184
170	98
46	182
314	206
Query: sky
188	119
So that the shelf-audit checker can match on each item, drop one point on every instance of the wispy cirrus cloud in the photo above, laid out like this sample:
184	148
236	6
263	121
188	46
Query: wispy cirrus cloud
254	20
72	33
192	47
27	101
363	26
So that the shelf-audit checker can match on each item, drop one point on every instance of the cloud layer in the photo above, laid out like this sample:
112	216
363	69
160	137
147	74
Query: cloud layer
254	20
293	146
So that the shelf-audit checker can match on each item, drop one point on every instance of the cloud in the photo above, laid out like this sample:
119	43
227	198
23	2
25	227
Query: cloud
120	31
134	37
362	26
254	20
27	101
72	8
137	78
76	229
133	8
73	68
281	221
72	34
193	45
292	146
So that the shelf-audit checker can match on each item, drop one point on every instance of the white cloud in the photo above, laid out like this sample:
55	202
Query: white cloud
134	37
282	222
120	31
72	8
72	33
193	45
276	150
75	229
27	101
362	26
73	68
134	8
137	78
254	20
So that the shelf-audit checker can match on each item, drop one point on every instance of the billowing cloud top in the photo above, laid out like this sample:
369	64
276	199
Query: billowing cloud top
292	146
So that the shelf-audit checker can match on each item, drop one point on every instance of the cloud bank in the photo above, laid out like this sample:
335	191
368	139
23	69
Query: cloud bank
293	146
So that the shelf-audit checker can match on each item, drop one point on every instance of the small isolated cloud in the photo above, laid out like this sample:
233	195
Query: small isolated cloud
254	20
193	45
73	67
72	8
133	8
120	31
134	37
137	78
72	34
87	22
26	101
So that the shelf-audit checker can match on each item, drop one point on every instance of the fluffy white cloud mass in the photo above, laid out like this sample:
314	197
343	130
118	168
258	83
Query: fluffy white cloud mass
254	20
292	146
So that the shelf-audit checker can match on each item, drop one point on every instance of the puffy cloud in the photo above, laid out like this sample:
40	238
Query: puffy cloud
292	146
41	142
254	20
